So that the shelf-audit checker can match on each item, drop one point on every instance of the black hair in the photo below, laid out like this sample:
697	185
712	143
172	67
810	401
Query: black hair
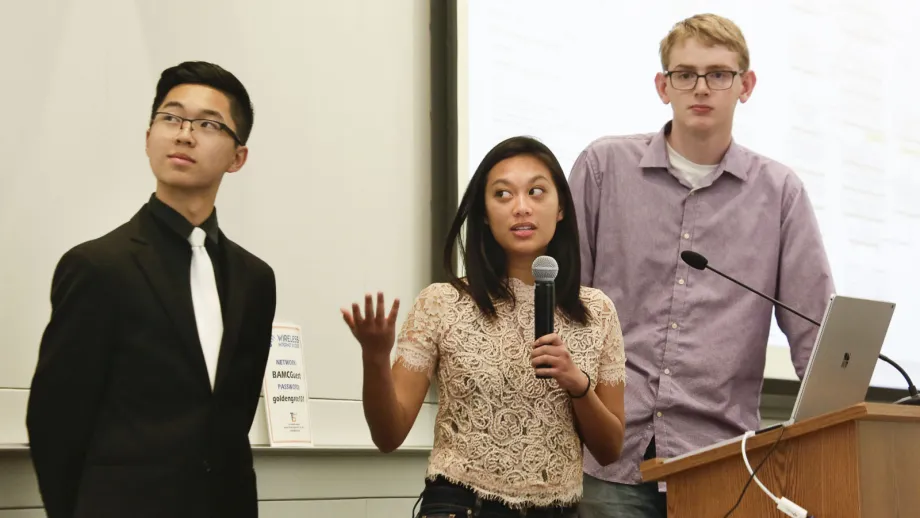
209	74
485	260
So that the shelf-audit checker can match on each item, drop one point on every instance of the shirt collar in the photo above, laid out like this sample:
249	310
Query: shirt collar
177	222
656	156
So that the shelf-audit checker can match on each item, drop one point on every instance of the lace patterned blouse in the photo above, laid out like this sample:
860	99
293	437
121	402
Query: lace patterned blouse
499	430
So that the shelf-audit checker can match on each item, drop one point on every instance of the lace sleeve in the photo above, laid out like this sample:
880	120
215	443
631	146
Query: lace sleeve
612	362
417	343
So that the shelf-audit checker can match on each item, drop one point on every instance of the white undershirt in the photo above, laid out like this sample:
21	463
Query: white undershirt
690	172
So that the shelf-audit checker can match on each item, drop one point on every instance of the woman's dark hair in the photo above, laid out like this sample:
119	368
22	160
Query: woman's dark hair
484	259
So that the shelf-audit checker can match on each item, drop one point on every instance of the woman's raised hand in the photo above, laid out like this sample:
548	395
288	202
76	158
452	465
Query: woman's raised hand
375	331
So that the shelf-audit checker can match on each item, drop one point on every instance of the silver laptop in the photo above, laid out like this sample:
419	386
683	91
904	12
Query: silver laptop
842	361
844	357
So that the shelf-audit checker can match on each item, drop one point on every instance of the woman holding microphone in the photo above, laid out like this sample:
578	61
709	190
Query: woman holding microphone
505	441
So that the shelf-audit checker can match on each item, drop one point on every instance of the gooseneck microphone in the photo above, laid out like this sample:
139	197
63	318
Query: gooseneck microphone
698	261
544	269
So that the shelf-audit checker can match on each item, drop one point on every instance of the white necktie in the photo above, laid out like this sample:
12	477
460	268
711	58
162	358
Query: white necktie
206	302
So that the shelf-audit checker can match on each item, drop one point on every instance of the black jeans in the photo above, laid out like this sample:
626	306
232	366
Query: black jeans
442	499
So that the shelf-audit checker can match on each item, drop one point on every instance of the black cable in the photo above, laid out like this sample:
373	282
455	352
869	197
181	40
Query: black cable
911	389
751	478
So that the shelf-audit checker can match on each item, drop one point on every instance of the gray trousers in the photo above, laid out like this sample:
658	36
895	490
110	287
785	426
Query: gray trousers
604	499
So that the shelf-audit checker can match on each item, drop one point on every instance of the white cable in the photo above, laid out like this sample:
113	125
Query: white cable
788	507
748	465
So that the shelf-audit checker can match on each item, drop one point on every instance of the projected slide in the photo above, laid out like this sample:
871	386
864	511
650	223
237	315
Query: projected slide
834	100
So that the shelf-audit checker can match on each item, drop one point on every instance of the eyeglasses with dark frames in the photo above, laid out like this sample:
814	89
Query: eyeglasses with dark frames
205	126
715	79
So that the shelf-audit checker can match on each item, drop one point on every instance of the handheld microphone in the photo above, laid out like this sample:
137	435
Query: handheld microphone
698	261
544	271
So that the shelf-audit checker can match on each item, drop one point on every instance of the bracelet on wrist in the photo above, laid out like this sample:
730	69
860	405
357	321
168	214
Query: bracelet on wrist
587	388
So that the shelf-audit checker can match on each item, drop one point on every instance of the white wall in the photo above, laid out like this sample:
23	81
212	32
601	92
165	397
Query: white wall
335	195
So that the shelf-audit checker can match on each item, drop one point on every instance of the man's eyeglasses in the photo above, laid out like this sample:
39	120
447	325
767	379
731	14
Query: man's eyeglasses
205	126
715	80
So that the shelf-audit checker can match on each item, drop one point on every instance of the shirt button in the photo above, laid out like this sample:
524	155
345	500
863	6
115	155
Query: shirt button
658	414
686	236
680	281
667	371
674	325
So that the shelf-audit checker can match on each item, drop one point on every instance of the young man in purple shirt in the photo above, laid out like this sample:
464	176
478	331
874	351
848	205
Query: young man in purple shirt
695	342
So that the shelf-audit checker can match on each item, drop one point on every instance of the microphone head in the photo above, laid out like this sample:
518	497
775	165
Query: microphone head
694	259
545	269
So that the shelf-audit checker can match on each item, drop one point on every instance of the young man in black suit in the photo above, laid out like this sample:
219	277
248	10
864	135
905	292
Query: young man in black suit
150	368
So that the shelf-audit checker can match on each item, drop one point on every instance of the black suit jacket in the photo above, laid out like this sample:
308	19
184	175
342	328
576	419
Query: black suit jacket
121	417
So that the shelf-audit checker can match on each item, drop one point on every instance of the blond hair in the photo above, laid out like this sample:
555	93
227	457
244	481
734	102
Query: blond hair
710	30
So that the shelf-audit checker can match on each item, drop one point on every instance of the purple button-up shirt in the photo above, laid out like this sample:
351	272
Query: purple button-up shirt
695	342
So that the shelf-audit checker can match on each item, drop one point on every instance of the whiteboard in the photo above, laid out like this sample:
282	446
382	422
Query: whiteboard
334	196
833	101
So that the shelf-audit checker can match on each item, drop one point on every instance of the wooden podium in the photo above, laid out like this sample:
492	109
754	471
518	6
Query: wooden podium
862	461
